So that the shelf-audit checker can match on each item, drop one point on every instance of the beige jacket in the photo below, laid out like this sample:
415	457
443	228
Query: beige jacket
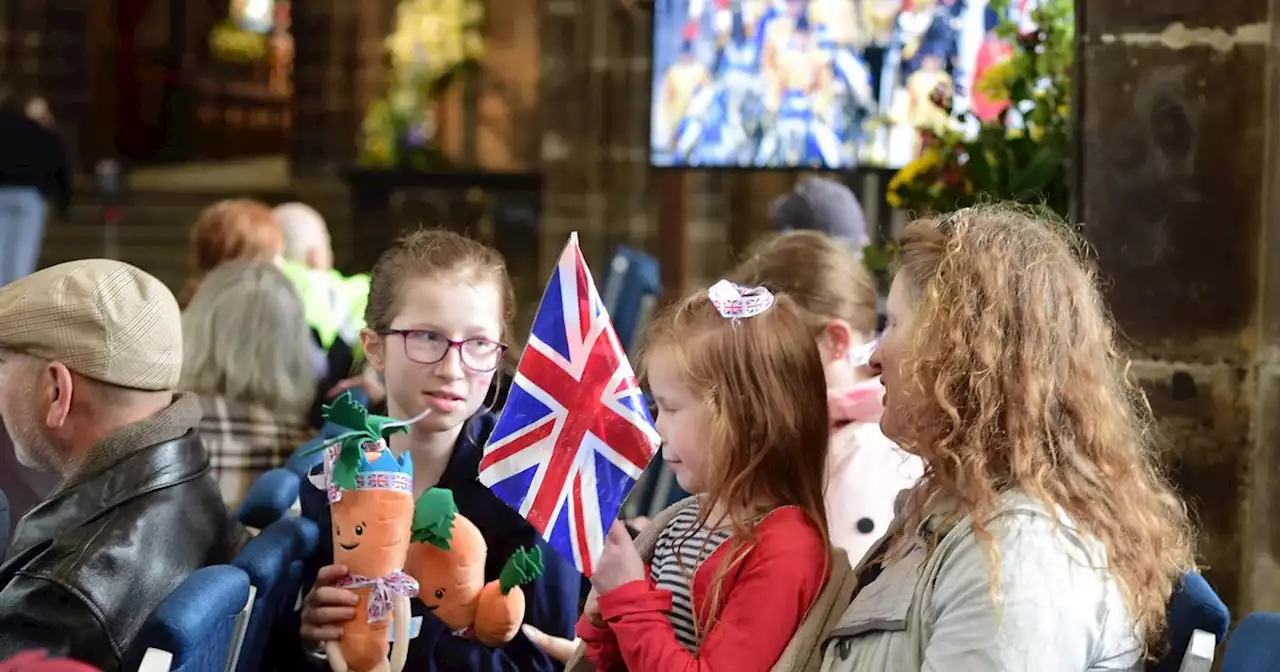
804	652
1060	609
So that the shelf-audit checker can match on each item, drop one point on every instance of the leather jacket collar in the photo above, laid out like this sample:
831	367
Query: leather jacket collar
147	470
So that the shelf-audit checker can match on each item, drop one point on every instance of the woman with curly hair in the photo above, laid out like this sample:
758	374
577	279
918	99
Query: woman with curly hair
1044	535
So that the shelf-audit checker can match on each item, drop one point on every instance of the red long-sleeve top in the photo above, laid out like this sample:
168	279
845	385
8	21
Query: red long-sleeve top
763	603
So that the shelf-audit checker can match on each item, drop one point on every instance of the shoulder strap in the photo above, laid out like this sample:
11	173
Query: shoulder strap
804	651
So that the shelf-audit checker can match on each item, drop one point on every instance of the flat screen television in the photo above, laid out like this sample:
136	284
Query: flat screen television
812	84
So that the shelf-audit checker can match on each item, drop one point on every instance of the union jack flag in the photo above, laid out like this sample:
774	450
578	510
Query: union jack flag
575	433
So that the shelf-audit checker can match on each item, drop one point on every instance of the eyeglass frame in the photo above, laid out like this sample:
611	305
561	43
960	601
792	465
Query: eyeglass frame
452	345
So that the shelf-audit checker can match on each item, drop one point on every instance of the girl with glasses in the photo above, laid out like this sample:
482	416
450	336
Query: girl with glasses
438	313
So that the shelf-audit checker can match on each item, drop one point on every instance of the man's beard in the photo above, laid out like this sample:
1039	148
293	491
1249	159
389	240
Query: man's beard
31	449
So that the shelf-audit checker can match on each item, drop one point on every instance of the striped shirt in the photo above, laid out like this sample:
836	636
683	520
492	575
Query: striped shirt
679	551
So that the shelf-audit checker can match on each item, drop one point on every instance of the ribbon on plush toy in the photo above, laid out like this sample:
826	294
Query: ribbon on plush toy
375	480
344	452
384	589
734	302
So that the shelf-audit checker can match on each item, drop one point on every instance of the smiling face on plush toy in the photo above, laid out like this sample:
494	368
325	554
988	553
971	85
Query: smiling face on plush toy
449	581
371	530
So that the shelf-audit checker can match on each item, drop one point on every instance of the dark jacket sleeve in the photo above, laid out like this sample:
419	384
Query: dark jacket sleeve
37	613
551	606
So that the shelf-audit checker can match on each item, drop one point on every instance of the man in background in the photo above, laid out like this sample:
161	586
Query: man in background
334	302
822	204
34	169
90	352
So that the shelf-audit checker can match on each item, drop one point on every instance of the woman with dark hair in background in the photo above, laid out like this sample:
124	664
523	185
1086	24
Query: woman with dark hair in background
33	168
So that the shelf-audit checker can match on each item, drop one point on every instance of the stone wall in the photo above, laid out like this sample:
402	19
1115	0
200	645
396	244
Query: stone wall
1177	159
43	51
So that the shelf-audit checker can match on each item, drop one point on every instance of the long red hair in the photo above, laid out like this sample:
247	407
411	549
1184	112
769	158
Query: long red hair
762	381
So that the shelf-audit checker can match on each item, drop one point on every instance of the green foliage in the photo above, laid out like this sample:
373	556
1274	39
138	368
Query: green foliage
1026	162
435	44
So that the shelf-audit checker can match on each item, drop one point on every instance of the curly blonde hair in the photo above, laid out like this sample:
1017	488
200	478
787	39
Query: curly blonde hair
1025	388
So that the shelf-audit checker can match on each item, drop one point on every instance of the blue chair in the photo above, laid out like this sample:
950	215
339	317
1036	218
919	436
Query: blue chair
300	462
1193	606
631	288
269	498
197	623
273	560
1254	645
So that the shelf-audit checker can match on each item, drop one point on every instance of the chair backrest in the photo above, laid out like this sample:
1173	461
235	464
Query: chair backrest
269	498
1193	606
631	289
196	623
273	560
1254	645
300	462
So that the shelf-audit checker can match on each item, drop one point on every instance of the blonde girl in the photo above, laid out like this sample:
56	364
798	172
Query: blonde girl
836	298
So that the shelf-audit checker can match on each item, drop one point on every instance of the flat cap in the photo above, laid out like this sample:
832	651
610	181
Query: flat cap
103	319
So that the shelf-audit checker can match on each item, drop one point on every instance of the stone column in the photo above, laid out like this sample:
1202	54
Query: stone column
339	69
1176	160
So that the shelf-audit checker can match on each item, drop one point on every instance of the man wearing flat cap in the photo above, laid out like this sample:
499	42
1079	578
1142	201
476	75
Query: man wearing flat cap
90	352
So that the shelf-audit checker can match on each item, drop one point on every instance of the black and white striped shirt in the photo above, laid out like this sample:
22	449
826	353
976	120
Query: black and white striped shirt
676	556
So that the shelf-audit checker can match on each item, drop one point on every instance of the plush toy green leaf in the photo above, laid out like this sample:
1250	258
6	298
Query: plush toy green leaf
522	568
433	515
347	412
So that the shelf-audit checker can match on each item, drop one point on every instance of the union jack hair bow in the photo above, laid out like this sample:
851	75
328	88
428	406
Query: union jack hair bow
734	302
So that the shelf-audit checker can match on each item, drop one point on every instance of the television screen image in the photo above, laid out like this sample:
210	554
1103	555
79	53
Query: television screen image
815	84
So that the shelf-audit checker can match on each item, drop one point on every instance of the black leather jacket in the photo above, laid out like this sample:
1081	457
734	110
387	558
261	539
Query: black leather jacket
88	566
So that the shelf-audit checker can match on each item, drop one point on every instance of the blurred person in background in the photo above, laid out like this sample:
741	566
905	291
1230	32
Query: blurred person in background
824	205
246	356
90	354
334	303
34	169
836	296
237	229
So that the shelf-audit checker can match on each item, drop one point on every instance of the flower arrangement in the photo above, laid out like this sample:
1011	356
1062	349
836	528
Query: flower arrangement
232	43
1021	155
435	42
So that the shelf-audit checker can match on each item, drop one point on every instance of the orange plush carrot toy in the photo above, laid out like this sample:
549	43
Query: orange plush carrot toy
370	494
447	559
